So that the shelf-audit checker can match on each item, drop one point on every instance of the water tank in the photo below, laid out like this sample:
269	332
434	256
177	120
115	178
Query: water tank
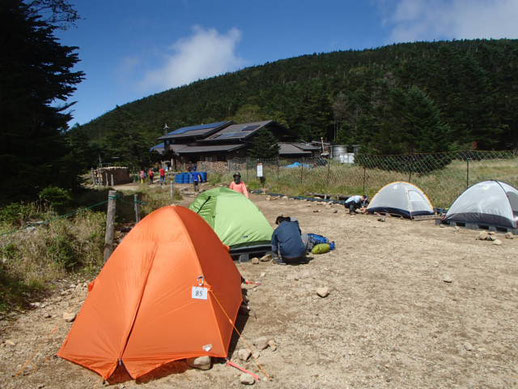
338	151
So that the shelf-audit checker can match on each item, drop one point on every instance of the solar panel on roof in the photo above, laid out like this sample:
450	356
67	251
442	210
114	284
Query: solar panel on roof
250	128
158	146
207	126
228	135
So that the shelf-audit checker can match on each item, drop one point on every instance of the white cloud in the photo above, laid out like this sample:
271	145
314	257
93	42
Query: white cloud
204	54
412	20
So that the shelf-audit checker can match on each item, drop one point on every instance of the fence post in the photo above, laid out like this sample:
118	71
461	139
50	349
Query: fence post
93	177
364	177
467	172
111	177
137	208
172	190
110	224
277	167
410	175
302	171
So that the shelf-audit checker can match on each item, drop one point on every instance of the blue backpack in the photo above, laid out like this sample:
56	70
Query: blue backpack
317	239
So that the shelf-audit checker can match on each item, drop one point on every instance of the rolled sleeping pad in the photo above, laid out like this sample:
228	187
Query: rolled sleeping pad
321	248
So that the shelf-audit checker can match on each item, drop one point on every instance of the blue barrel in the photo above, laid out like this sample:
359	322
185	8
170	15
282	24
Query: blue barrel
191	178
203	176
178	179
185	178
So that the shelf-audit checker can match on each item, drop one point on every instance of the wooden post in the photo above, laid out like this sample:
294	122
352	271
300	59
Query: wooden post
93	177
172	190
137	208
106	182
110	224
111	176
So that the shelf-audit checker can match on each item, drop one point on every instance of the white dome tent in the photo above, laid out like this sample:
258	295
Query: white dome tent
489	204
401	198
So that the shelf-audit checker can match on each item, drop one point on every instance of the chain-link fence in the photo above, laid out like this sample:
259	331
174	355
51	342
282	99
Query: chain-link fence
442	176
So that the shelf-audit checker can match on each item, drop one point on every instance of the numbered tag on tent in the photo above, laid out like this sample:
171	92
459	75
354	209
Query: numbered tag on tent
199	293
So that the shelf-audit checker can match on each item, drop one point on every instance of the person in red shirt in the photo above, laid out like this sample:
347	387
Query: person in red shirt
238	185
162	176
151	175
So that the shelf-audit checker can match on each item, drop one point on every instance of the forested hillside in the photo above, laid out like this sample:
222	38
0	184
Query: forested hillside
416	97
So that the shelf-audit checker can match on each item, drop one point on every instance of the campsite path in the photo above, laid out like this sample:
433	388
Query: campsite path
390	320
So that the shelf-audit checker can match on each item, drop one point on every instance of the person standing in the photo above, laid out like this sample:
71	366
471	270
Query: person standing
238	185
151	176
162	176
142	176
196	179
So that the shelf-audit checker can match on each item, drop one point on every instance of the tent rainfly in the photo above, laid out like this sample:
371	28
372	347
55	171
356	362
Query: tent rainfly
401	198
488	203
169	291
235	219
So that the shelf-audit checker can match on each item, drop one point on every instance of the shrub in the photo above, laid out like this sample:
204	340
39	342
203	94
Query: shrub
17	214
56	198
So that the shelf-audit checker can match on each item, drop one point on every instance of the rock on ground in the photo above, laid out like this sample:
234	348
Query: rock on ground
447	278
202	363
261	343
266	258
323	292
69	316
246	379
483	235
244	354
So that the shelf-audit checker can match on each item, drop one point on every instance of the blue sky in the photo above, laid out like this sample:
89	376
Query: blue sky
130	49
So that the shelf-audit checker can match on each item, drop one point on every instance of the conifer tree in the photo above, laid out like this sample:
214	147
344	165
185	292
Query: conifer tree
264	145
35	72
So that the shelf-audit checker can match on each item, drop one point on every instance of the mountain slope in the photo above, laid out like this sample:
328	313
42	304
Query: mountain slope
469	88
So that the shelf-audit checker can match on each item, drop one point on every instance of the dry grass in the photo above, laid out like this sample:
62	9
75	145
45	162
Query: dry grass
32	258
441	186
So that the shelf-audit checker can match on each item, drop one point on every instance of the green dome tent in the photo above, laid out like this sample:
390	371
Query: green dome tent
235	219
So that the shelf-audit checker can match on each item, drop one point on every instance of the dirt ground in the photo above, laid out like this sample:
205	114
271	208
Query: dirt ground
390	321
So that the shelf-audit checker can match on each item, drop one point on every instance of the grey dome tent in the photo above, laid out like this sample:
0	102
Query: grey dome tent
401	198
488	204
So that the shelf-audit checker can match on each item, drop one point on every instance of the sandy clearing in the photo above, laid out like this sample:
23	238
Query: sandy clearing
390	320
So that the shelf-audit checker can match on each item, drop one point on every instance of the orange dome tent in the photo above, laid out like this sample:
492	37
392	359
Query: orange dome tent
166	293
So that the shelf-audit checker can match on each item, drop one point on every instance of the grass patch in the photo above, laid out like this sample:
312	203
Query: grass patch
34	257
442	186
